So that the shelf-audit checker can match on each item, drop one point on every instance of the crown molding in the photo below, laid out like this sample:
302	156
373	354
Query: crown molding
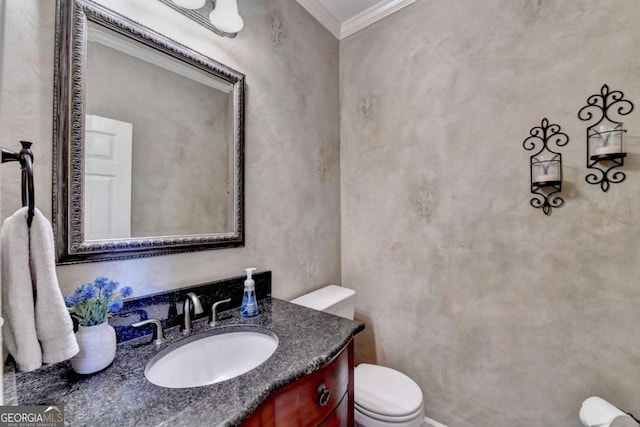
367	17
322	15
371	15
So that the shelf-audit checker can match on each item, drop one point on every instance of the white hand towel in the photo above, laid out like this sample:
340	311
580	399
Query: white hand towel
53	323
19	331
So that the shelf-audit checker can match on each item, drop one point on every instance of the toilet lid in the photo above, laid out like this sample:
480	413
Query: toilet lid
385	391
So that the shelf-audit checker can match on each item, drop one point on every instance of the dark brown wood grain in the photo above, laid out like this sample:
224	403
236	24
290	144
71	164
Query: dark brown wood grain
297	404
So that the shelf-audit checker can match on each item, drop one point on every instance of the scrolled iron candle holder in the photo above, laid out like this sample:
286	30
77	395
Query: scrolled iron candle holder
605	137
545	165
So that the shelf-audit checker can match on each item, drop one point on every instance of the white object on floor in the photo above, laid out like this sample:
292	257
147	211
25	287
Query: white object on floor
597	412
428	422
35	330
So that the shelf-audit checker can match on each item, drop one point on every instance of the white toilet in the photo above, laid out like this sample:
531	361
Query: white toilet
384	397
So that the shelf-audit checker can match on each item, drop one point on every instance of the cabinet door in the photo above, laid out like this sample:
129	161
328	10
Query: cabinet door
340	416
311	399
263	417
324	397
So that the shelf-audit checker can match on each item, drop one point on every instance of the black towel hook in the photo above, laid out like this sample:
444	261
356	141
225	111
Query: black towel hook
25	157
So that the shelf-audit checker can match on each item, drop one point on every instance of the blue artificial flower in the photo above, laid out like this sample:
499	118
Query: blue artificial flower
77	293
109	288
101	282
93	303
70	300
115	306
87	292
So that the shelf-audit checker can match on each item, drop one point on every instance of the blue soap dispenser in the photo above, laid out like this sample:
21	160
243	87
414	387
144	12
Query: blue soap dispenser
249	303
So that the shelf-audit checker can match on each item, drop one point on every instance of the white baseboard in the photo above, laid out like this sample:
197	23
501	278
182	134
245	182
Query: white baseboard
428	422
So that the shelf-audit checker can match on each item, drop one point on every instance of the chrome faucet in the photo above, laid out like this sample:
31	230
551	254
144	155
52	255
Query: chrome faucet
190	301
158	334
214	312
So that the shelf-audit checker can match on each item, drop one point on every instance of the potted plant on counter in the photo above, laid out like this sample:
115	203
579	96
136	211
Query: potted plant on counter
91	305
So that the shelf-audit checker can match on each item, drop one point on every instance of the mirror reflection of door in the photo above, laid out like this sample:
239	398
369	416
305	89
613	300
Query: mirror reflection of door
107	185
183	153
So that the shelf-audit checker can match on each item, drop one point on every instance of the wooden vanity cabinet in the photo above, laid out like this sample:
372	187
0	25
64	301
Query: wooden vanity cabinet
322	398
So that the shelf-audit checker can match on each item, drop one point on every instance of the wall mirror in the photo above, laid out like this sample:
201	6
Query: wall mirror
148	142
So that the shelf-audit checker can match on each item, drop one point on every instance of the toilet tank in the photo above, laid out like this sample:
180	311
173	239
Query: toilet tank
332	299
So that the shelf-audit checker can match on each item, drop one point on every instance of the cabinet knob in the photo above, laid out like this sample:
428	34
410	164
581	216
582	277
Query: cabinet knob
324	394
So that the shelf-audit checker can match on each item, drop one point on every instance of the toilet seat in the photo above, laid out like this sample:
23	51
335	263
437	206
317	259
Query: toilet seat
390	419
386	394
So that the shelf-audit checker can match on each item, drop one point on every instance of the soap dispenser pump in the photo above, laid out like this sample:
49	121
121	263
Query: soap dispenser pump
249	306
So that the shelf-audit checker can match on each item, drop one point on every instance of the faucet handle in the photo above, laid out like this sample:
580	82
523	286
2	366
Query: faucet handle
214	311
158	332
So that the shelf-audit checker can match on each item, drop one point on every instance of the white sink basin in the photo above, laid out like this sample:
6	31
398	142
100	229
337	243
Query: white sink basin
212	358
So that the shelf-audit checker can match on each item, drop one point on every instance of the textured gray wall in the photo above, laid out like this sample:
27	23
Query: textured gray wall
292	141
505	317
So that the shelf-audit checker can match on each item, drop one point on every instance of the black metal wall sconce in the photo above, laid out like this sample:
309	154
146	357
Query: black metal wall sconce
605	137
545	165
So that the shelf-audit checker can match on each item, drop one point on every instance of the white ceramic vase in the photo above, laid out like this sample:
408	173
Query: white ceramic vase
97	348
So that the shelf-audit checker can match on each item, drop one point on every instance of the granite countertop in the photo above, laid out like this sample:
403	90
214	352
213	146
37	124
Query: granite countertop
120	395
